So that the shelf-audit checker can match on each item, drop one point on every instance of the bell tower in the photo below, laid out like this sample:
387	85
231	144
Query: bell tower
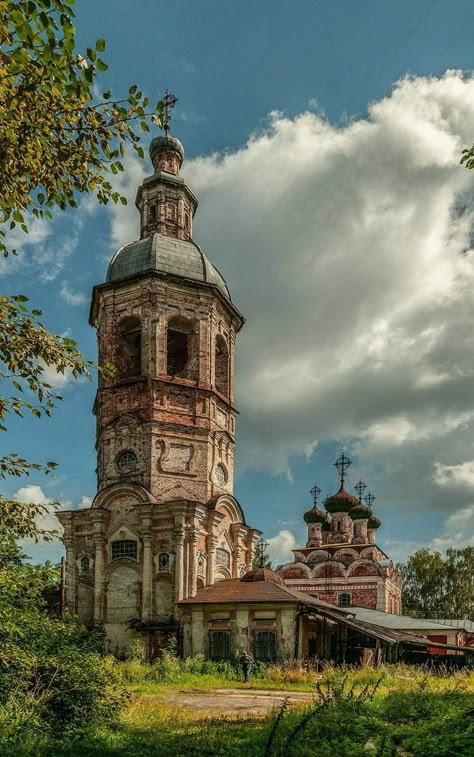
164	521
166	322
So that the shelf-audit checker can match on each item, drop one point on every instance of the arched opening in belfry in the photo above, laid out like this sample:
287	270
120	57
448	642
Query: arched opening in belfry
180	358
222	366
130	333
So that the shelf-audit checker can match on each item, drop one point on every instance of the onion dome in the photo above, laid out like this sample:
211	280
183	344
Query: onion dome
360	512
315	515
166	143
262	574
374	522
341	502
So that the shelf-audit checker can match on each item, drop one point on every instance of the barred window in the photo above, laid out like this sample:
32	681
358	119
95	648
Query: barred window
126	461
219	645
124	548
223	557
344	600
164	561
265	645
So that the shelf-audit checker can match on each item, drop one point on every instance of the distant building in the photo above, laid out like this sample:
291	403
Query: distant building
341	563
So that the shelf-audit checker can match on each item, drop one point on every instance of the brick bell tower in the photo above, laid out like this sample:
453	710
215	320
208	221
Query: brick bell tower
164	521
165	320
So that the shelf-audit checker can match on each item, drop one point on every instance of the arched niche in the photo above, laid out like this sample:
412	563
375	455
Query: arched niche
122	593
329	569
129	343
228	505
221	365
181	352
364	568
295	570
109	497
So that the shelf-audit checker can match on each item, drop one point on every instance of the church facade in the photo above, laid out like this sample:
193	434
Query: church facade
164	521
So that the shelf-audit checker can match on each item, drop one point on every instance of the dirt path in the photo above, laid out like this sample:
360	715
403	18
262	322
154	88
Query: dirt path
257	701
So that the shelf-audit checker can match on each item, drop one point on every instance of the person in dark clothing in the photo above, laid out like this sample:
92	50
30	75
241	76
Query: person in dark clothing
246	662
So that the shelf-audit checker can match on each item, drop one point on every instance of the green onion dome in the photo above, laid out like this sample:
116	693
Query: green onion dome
360	512
315	515
341	502
374	522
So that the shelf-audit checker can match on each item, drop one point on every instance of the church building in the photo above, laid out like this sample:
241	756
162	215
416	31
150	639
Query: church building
164	521
341	563
165	547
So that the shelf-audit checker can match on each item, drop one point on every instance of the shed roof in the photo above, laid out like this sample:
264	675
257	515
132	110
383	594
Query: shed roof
396	622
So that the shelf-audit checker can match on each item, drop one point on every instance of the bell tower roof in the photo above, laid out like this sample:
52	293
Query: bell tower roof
167	207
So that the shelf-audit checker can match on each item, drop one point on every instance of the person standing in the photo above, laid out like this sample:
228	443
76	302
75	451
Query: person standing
246	662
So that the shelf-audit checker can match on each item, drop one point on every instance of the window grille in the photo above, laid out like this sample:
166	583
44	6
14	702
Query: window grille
265	645
85	565
124	548
219	645
221	476
344	600
164	561
223	557
126	461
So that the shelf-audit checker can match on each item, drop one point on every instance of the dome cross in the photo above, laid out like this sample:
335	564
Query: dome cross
370	499
169	101
360	488
342	464
315	492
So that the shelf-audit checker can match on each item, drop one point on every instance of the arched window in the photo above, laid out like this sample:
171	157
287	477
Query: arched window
124	548
201	563
223	557
222	366
344	600
85	565
180	360
130	333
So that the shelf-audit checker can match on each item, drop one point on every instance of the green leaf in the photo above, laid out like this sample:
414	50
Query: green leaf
100	45
101	66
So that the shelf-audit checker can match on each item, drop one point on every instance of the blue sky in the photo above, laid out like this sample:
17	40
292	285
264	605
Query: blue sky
275	109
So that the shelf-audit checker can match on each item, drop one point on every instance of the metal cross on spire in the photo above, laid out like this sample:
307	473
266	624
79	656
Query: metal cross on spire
315	492
370	499
360	487
169	101
342	464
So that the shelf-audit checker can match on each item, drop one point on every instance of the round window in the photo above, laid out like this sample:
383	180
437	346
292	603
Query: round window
126	461
221	474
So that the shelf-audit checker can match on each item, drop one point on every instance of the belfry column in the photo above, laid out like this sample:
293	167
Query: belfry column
70	573
99	542
147	578
179	556
235	530
211	544
193	539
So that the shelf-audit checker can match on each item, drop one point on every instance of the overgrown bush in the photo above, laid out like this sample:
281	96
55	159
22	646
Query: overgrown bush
53	679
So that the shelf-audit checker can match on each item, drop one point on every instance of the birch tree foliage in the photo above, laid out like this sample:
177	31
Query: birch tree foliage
61	135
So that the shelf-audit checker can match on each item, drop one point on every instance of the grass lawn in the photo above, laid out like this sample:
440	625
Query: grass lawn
408	713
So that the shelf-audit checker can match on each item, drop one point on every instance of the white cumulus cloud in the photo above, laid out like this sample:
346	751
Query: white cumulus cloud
348	249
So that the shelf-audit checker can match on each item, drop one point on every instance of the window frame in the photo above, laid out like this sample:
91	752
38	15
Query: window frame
133	555
213	635
270	645
340	602
222	551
